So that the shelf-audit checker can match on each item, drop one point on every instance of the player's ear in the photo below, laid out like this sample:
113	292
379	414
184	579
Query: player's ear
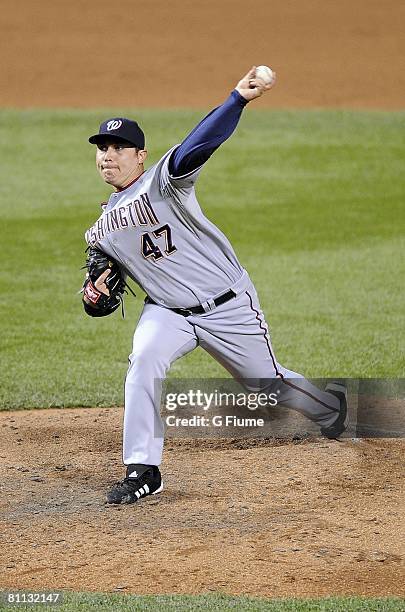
142	155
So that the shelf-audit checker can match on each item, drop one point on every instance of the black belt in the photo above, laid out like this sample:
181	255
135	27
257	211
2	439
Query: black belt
186	312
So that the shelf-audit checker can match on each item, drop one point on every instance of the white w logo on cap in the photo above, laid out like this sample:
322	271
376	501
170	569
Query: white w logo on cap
114	124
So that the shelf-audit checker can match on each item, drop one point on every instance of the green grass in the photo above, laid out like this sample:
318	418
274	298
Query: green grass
213	602
311	201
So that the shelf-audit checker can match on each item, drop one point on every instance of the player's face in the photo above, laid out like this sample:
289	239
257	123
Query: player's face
119	163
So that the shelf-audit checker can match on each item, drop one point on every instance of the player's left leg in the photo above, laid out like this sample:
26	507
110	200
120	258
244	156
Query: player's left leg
160	338
237	336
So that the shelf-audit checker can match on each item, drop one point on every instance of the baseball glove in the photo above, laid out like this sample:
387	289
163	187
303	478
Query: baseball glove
97	303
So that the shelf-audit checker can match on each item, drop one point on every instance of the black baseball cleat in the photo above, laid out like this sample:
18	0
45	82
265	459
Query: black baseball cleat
140	481
338	427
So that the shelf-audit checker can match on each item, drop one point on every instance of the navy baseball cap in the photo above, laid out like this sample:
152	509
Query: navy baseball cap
121	128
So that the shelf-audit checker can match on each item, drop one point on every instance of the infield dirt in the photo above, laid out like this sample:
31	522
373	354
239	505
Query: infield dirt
188	54
272	519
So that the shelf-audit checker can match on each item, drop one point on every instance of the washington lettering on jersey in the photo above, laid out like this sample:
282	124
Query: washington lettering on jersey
136	213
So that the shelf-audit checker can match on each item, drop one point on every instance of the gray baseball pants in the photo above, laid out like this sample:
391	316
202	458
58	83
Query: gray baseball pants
237	336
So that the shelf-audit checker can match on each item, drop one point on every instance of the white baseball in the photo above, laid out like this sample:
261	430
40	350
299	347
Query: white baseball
265	74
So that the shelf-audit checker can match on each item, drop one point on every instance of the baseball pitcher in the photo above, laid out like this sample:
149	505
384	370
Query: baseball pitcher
153	231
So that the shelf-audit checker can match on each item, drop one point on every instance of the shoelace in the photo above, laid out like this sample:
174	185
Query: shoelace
123	483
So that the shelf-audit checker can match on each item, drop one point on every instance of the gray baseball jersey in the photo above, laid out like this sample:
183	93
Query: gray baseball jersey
156	230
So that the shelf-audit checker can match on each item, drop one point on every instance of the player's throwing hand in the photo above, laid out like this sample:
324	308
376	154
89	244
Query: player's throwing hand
251	87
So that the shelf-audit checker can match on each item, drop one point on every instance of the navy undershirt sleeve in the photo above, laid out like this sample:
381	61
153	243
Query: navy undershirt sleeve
207	136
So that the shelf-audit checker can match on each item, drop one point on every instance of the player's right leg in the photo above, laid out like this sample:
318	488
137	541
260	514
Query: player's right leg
236	334
160	338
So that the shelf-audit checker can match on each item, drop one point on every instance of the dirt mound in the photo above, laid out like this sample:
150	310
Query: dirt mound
277	519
